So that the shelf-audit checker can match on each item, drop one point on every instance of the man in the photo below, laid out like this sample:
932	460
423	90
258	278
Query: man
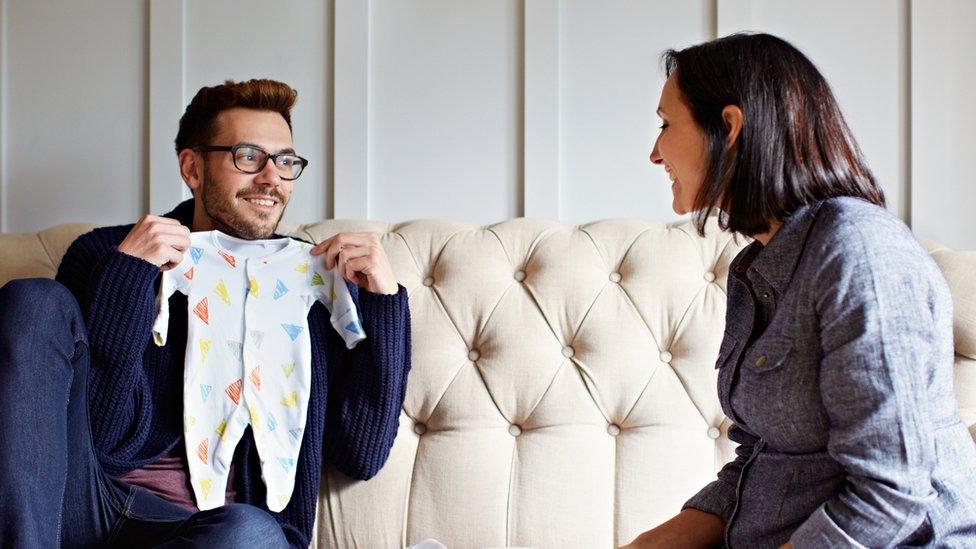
91	410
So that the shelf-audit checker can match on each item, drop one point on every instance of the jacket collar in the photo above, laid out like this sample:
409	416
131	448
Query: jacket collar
777	261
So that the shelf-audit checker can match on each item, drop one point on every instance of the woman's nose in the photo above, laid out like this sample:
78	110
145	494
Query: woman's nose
656	155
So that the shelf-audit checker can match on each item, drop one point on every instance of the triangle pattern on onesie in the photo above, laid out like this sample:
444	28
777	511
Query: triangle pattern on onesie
248	353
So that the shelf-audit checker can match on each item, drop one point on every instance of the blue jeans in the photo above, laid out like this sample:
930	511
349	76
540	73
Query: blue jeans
52	489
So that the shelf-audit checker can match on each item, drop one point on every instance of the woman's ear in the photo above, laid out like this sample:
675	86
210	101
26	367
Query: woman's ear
191	169
732	117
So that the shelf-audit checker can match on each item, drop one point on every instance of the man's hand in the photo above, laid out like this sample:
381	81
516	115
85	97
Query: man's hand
159	240
361	260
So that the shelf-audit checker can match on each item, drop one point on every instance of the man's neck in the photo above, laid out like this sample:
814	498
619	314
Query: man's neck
201	221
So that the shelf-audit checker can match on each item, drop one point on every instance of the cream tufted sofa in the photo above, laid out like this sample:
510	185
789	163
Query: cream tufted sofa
563	390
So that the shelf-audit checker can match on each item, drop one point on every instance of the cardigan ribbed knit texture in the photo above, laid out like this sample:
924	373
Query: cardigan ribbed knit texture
136	388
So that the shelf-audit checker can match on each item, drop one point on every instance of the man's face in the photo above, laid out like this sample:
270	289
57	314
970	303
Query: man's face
240	204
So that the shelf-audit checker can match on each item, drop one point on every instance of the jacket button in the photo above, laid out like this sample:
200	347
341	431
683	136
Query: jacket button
761	361
764	295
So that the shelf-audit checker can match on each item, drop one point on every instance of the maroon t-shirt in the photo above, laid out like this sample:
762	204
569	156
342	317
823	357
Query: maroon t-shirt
169	478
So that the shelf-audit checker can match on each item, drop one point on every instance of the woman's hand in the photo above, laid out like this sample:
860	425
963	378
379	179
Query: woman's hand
690	528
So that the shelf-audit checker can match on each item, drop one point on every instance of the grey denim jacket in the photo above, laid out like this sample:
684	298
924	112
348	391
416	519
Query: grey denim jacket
836	370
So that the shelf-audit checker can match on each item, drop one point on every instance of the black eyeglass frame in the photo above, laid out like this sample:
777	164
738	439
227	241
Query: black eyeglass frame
272	157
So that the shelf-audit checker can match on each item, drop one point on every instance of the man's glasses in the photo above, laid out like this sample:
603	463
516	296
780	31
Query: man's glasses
251	159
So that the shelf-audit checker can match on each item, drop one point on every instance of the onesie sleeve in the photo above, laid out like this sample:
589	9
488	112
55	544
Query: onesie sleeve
177	279
329	287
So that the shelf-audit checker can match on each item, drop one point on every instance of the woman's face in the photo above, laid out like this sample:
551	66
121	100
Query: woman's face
680	147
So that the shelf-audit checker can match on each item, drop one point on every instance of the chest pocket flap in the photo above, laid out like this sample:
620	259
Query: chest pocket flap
769	354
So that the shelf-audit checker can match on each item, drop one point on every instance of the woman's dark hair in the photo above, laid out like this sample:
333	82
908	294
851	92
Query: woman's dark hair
794	147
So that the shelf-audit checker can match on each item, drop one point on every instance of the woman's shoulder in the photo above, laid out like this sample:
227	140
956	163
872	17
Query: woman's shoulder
848	222
857	212
849	232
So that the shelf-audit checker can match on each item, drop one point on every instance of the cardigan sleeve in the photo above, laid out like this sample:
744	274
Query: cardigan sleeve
116	294
367	385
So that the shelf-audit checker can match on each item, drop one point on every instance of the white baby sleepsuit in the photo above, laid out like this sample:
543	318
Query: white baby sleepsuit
248	353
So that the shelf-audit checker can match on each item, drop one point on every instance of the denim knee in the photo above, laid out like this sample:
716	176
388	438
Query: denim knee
39	305
41	331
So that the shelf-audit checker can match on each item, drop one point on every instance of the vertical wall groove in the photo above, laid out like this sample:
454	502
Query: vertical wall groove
541	109
4	137
350	138
520	184
329	153
146	187
167	82
905	98
711	19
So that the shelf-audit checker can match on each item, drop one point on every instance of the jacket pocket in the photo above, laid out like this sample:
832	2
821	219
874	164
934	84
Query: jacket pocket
769	354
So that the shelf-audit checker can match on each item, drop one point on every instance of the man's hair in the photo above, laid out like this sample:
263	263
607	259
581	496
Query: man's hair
794	147
199	123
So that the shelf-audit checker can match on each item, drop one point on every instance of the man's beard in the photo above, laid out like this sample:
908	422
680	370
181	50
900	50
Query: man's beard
229	220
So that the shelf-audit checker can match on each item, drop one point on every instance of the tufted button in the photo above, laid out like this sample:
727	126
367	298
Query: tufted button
714	433
420	428
520	275
613	429
429	281
514	430
474	355
709	276
568	351
666	356
615	277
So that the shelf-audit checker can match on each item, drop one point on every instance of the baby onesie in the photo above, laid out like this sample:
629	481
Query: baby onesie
248	353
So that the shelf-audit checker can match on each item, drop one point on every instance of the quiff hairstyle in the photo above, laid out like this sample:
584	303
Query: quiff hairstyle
199	123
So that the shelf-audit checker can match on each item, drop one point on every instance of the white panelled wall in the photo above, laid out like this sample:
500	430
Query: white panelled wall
460	109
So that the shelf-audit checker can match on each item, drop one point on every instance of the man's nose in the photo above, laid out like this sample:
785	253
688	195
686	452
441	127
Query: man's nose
269	174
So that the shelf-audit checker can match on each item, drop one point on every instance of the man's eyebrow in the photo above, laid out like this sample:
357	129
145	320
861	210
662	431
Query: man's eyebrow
286	150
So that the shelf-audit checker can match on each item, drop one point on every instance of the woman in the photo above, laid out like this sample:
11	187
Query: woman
836	365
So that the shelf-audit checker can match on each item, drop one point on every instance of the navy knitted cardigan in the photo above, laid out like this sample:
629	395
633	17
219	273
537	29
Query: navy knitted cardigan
136	388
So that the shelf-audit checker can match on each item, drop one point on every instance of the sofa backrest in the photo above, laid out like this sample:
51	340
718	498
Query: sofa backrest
563	382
